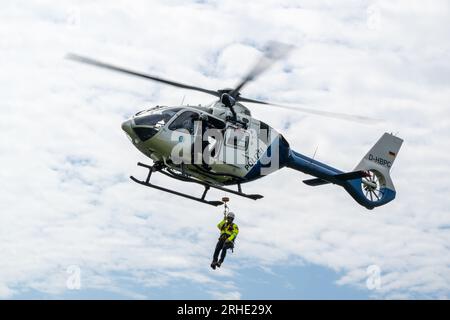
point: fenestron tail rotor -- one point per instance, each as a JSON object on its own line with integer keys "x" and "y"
{"x": 372, "y": 186}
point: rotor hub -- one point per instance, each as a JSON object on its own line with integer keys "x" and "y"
{"x": 228, "y": 100}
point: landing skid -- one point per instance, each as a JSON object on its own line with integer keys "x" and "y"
{"x": 206, "y": 185}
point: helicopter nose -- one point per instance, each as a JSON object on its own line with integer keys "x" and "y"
{"x": 126, "y": 126}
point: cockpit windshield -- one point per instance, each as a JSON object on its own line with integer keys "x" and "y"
{"x": 156, "y": 119}
{"x": 148, "y": 124}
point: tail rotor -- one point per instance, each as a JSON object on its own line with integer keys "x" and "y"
{"x": 373, "y": 185}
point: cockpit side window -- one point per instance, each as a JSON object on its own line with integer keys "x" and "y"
{"x": 185, "y": 121}
{"x": 169, "y": 113}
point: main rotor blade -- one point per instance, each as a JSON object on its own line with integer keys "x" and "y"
{"x": 272, "y": 52}
{"x": 336, "y": 115}
{"x": 108, "y": 66}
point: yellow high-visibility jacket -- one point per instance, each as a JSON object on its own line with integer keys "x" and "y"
{"x": 230, "y": 229}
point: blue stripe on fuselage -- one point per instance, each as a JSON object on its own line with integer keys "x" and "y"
{"x": 282, "y": 146}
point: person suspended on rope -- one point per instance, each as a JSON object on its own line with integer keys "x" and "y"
{"x": 228, "y": 233}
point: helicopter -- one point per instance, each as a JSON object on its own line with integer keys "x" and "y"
{"x": 220, "y": 144}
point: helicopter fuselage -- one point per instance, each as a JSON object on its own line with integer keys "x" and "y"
{"x": 204, "y": 142}
{"x": 212, "y": 145}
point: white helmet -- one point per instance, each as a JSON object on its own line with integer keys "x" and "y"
{"x": 230, "y": 215}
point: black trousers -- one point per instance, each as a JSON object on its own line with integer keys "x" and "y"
{"x": 222, "y": 245}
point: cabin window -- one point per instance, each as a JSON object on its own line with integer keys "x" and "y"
{"x": 215, "y": 123}
{"x": 264, "y": 133}
{"x": 238, "y": 139}
{"x": 185, "y": 121}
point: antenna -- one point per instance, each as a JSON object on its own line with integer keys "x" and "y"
{"x": 315, "y": 151}
{"x": 182, "y": 100}
{"x": 314, "y": 155}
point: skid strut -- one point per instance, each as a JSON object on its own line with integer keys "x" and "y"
{"x": 201, "y": 199}
{"x": 239, "y": 192}
{"x": 151, "y": 185}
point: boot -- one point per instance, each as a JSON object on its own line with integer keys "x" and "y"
{"x": 218, "y": 264}
{"x": 213, "y": 265}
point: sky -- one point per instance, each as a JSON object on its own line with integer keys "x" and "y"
{"x": 72, "y": 224}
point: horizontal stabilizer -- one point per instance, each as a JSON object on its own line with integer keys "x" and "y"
{"x": 315, "y": 182}
{"x": 340, "y": 177}
{"x": 351, "y": 175}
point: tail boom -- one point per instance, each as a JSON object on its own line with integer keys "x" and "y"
{"x": 369, "y": 184}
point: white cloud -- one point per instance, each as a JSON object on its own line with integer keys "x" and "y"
{"x": 231, "y": 295}
{"x": 66, "y": 198}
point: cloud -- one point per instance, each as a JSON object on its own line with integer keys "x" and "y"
{"x": 66, "y": 198}
{"x": 232, "y": 295}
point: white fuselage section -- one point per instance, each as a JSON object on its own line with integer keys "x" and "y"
{"x": 231, "y": 148}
